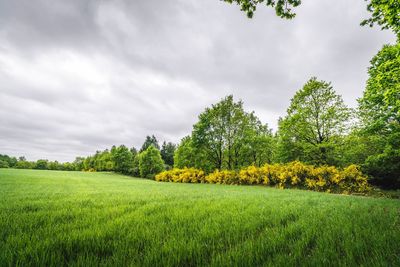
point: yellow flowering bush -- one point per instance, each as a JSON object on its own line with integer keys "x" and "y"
{"x": 354, "y": 180}
{"x": 253, "y": 175}
{"x": 290, "y": 175}
{"x": 223, "y": 177}
{"x": 186, "y": 175}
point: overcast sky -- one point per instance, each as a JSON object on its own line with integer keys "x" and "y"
{"x": 79, "y": 76}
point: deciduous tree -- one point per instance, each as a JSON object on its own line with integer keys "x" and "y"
{"x": 315, "y": 121}
{"x": 150, "y": 162}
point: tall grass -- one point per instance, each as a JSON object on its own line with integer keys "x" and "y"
{"x": 51, "y": 218}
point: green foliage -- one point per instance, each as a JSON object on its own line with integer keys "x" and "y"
{"x": 380, "y": 115}
{"x": 186, "y": 155}
{"x": 229, "y": 137}
{"x": 167, "y": 153}
{"x": 7, "y": 161}
{"x": 41, "y": 164}
{"x": 79, "y": 163}
{"x": 23, "y": 164}
{"x": 102, "y": 219}
{"x": 4, "y": 164}
{"x": 283, "y": 8}
{"x": 150, "y": 140}
{"x": 122, "y": 159}
{"x": 315, "y": 123}
{"x": 385, "y": 13}
{"x": 150, "y": 162}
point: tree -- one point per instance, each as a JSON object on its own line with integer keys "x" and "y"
{"x": 150, "y": 141}
{"x": 385, "y": 13}
{"x": 150, "y": 162}
{"x": 23, "y": 164}
{"x": 227, "y": 135}
{"x": 258, "y": 143}
{"x": 283, "y": 8}
{"x": 167, "y": 153}
{"x": 380, "y": 115}
{"x": 41, "y": 164}
{"x": 4, "y": 164}
{"x": 78, "y": 163}
{"x": 11, "y": 161}
{"x": 134, "y": 151}
{"x": 186, "y": 155}
{"x": 315, "y": 122}
{"x": 122, "y": 158}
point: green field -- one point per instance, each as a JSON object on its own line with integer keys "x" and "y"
{"x": 51, "y": 218}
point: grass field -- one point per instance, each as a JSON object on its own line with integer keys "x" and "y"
{"x": 51, "y": 218}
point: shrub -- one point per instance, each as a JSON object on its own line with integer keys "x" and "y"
{"x": 222, "y": 177}
{"x": 290, "y": 175}
{"x": 186, "y": 175}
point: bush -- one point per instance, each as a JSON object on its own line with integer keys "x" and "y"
{"x": 290, "y": 175}
{"x": 186, "y": 175}
{"x": 223, "y": 177}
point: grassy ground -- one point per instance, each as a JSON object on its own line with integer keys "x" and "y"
{"x": 59, "y": 218}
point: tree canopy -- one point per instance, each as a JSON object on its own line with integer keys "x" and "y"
{"x": 150, "y": 140}
{"x": 150, "y": 162}
{"x": 226, "y": 134}
{"x": 385, "y": 13}
{"x": 283, "y": 8}
{"x": 380, "y": 114}
{"x": 315, "y": 119}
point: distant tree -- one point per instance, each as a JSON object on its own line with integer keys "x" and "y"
{"x": 4, "y": 164}
{"x": 41, "y": 164}
{"x": 54, "y": 165}
{"x": 135, "y": 164}
{"x": 78, "y": 163}
{"x": 167, "y": 153}
{"x": 89, "y": 163}
{"x": 315, "y": 122}
{"x": 133, "y": 151}
{"x": 150, "y": 140}
{"x": 122, "y": 159}
{"x": 380, "y": 115}
{"x": 11, "y": 161}
{"x": 150, "y": 162}
{"x": 24, "y": 164}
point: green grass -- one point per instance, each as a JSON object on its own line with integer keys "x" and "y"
{"x": 51, "y": 218}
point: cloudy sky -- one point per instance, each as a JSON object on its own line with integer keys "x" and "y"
{"x": 77, "y": 76}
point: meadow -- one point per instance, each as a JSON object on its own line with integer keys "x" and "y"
{"x": 57, "y": 218}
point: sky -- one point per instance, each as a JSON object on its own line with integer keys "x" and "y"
{"x": 82, "y": 75}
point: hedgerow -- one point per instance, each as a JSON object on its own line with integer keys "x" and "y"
{"x": 291, "y": 175}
